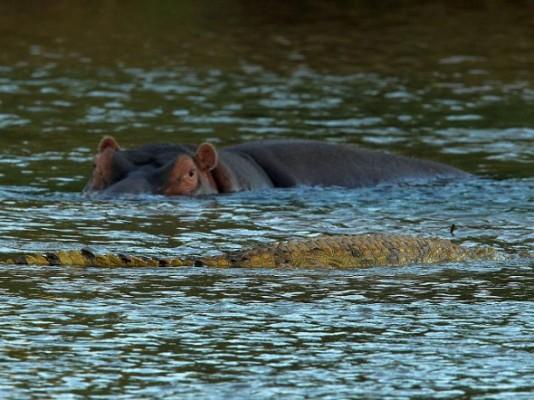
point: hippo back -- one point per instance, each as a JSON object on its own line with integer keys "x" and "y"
{"x": 305, "y": 162}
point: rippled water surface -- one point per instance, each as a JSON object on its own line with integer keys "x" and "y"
{"x": 438, "y": 81}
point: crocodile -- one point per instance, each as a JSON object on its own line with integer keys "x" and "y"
{"x": 343, "y": 251}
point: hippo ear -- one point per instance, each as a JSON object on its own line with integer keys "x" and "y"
{"x": 103, "y": 170}
{"x": 206, "y": 157}
{"x": 108, "y": 142}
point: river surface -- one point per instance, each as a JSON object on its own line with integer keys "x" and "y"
{"x": 442, "y": 81}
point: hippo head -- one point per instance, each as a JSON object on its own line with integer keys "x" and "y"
{"x": 157, "y": 169}
{"x": 191, "y": 174}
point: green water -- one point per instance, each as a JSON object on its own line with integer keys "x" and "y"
{"x": 444, "y": 81}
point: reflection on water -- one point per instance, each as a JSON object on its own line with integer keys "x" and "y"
{"x": 497, "y": 213}
{"x": 269, "y": 334}
{"x": 450, "y": 82}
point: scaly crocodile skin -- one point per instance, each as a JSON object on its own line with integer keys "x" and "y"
{"x": 352, "y": 251}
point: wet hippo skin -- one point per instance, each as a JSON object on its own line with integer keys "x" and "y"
{"x": 194, "y": 170}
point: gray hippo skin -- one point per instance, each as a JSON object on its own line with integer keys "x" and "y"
{"x": 194, "y": 170}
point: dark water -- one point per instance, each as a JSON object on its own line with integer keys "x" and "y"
{"x": 443, "y": 81}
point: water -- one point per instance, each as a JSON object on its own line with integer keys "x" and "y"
{"x": 391, "y": 77}
{"x": 439, "y": 333}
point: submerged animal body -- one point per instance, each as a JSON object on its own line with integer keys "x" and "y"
{"x": 195, "y": 170}
{"x": 352, "y": 251}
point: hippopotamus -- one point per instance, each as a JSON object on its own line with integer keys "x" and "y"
{"x": 190, "y": 170}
